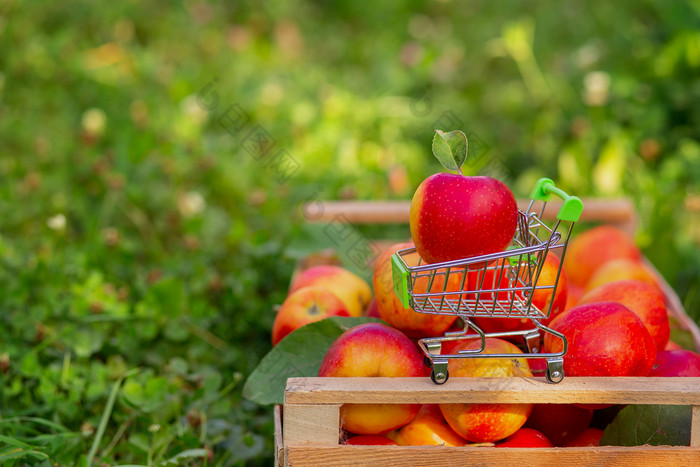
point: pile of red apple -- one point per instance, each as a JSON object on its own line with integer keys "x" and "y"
{"x": 608, "y": 304}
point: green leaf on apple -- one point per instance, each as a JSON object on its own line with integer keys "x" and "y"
{"x": 298, "y": 354}
{"x": 656, "y": 425}
{"x": 450, "y": 148}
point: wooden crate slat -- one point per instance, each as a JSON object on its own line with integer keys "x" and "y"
{"x": 279, "y": 438}
{"x": 589, "y": 390}
{"x": 311, "y": 424}
{"x": 695, "y": 427}
{"x": 620, "y": 211}
{"x": 429, "y": 456}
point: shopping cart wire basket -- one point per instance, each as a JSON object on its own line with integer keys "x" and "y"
{"x": 497, "y": 285}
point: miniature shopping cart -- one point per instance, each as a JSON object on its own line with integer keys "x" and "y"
{"x": 498, "y": 285}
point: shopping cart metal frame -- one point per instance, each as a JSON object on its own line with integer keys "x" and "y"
{"x": 520, "y": 264}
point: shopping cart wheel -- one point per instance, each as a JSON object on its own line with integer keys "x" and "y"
{"x": 439, "y": 375}
{"x": 555, "y": 370}
{"x": 428, "y": 361}
{"x": 439, "y": 378}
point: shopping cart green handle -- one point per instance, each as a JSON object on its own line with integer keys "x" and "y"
{"x": 572, "y": 207}
{"x": 399, "y": 274}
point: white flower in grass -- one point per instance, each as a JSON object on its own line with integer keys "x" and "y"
{"x": 94, "y": 121}
{"x": 57, "y": 222}
{"x": 596, "y": 88}
{"x": 190, "y": 204}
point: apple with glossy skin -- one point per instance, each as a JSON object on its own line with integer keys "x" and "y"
{"x": 408, "y": 321}
{"x": 374, "y": 349}
{"x": 560, "y": 423}
{"x": 541, "y": 297}
{"x": 644, "y": 299}
{"x": 487, "y": 422}
{"x": 620, "y": 269}
{"x": 370, "y": 440}
{"x": 589, "y": 437}
{"x": 354, "y": 291}
{"x": 526, "y": 438}
{"x": 304, "y": 306}
{"x": 676, "y": 363}
{"x": 594, "y": 247}
{"x": 604, "y": 339}
{"x": 455, "y": 216}
{"x": 428, "y": 428}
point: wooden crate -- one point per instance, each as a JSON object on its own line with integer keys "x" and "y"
{"x": 308, "y": 427}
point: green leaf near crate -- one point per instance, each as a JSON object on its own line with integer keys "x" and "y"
{"x": 298, "y": 354}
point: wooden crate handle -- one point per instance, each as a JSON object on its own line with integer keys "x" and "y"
{"x": 620, "y": 212}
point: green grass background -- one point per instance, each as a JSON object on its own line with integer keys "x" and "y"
{"x": 144, "y": 227}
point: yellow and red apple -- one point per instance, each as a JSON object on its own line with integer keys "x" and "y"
{"x": 621, "y": 269}
{"x": 487, "y": 422}
{"x": 304, "y": 306}
{"x": 408, "y": 321}
{"x": 428, "y": 428}
{"x": 573, "y": 295}
{"x": 374, "y": 349}
{"x": 644, "y": 299}
{"x": 594, "y": 247}
{"x": 354, "y": 291}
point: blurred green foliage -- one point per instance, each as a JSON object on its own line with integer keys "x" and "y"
{"x": 143, "y": 227}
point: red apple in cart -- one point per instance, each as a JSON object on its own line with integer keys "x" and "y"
{"x": 676, "y": 363}
{"x": 453, "y": 216}
{"x": 304, "y": 306}
{"x": 604, "y": 339}
{"x": 373, "y": 349}
{"x": 646, "y": 300}
{"x": 525, "y": 438}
